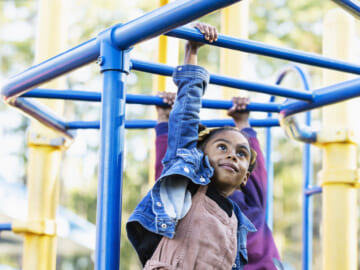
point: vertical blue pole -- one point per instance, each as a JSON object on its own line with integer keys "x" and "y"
{"x": 270, "y": 179}
{"x": 112, "y": 62}
{"x": 307, "y": 227}
{"x": 307, "y": 206}
{"x": 270, "y": 176}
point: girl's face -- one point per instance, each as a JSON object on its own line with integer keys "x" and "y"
{"x": 229, "y": 154}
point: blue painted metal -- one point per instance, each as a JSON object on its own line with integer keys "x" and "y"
{"x": 142, "y": 124}
{"x": 324, "y": 96}
{"x": 268, "y": 50}
{"x": 43, "y": 114}
{"x": 166, "y": 70}
{"x": 164, "y": 19}
{"x": 142, "y": 99}
{"x": 5, "y": 227}
{"x": 307, "y": 208}
{"x": 308, "y": 171}
{"x": 269, "y": 215}
{"x": 122, "y": 36}
{"x": 56, "y": 66}
{"x": 313, "y": 190}
{"x": 351, "y": 6}
{"x": 109, "y": 202}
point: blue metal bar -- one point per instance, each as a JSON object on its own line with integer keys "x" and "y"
{"x": 166, "y": 70}
{"x": 142, "y": 124}
{"x": 324, "y": 96}
{"x": 270, "y": 175}
{"x": 307, "y": 208}
{"x": 43, "y": 114}
{"x": 268, "y": 50}
{"x": 56, "y": 66}
{"x": 109, "y": 202}
{"x": 124, "y": 36}
{"x": 164, "y": 19}
{"x": 5, "y": 227}
{"x": 312, "y": 191}
{"x": 351, "y": 6}
{"x": 141, "y": 99}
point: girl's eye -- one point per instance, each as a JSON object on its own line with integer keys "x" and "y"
{"x": 242, "y": 154}
{"x": 222, "y": 147}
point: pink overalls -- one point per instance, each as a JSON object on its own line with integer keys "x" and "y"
{"x": 205, "y": 239}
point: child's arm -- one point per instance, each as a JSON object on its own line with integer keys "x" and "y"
{"x": 191, "y": 47}
{"x": 191, "y": 82}
{"x": 161, "y": 129}
{"x": 256, "y": 188}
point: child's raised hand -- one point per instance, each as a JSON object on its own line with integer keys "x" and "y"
{"x": 163, "y": 112}
{"x": 191, "y": 47}
{"x": 239, "y": 113}
{"x": 209, "y": 31}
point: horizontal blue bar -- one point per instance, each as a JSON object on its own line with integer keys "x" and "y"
{"x": 56, "y": 66}
{"x": 164, "y": 19}
{"x": 5, "y": 227}
{"x": 268, "y": 50}
{"x": 43, "y": 114}
{"x": 142, "y": 124}
{"x": 312, "y": 191}
{"x": 324, "y": 96}
{"x": 151, "y": 24}
{"x": 351, "y": 6}
{"x": 142, "y": 99}
{"x": 166, "y": 70}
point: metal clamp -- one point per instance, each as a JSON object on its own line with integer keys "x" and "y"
{"x": 40, "y": 227}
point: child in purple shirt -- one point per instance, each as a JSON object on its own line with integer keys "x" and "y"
{"x": 262, "y": 251}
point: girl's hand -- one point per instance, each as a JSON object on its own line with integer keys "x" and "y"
{"x": 163, "y": 112}
{"x": 239, "y": 113}
{"x": 191, "y": 47}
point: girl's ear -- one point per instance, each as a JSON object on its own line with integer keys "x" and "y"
{"x": 243, "y": 183}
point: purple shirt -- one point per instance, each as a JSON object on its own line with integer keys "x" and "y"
{"x": 251, "y": 200}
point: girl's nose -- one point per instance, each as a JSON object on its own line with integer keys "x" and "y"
{"x": 231, "y": 155}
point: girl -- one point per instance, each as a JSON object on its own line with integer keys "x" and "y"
{"x": 186, "y": 220}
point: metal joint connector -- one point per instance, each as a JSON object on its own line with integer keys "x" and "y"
{"x": 336, "y": 135}
{"x": 39, "y": 227}
{"x": 337, "y": 176}
{"x": 111, "y": 56}
{"x": 38, "y": 139}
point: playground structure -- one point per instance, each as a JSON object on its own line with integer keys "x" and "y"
{"x": 110, "y": 49}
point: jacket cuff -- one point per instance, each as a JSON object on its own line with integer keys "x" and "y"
{"x": 191, "y": 71}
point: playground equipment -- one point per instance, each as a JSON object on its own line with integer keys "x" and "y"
{"x": 111, "y": 49}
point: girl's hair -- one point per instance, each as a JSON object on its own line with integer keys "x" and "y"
{"x": 206, "y": 133}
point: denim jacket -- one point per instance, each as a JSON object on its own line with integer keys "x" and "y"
{"x": 168, "y": 201}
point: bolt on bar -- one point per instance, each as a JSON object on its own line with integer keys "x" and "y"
{"x": 268, "y": 50}
{"x": 142, "y": 99}
{"x": 166, "y": 70}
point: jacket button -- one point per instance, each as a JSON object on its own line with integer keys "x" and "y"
{"x": 234, "y": 265}
{"x": 158, "y": 204}
{"x": 186, "y": 169}
{"x": 202, "y": 179}
{"x": 163, "y": 225}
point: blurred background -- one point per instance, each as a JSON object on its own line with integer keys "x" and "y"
{"x": 285, "y": 23}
